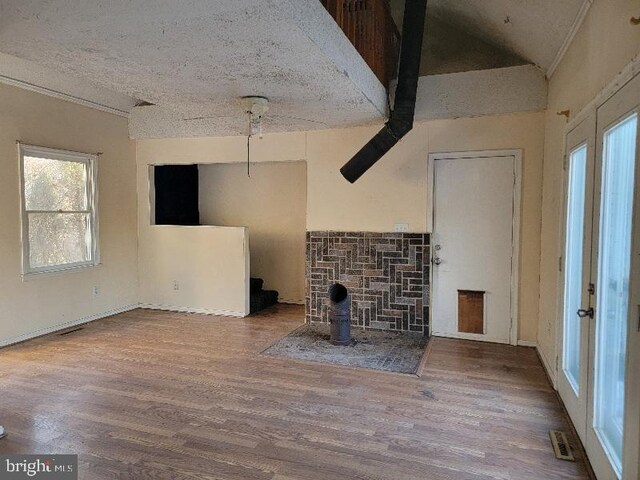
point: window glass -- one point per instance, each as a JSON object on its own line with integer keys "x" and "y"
{"x": 574, "y": 249}
{"x": 59, "y": 239}
{"x": 59, "y": 228}
{"x": 614, "y": 261}
{"x": 54, "y": 184}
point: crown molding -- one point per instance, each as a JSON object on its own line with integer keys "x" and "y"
{"x": 582, "y": 14}
{"x": 14, "y": 82}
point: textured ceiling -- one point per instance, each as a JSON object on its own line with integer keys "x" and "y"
{"x": 534, "y": 30}
{"x": 22, "y": 73}
{"x": 195, "y": 58}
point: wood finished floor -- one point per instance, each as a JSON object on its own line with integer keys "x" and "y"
{"x": 159, "y": 395}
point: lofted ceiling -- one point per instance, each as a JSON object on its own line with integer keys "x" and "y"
{"x": 193, "y": 59}
{"x": 534, "y": 30}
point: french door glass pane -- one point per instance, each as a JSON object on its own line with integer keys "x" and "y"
{"x": 573, "y": 265}
{"x": 618, "y": 162}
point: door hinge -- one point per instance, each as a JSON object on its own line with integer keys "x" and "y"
{"x": 560, "y": 264}
{"x": 565, "y": 162}
{"x": 591, "y": 289}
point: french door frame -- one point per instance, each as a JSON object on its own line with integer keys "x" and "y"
{"x": 631, "y": 447}
{"x": 615, "y": 110}
{"x": 631, "y": 453}
{"x": 576, "y": 402}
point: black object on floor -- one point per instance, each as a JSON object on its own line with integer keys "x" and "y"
{"x": 259, "y": 298}
{"x": 255, "y": 284}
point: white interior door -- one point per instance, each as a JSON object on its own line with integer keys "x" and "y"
{"x": 576, "y": 272}
{"x": 473, "y": 246}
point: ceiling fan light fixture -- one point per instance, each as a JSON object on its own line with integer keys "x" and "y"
{"x": 255, "y": 107}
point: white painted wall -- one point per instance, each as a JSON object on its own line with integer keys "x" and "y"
{"x": 604, "y": 44}
{"x": 38, "y": 304}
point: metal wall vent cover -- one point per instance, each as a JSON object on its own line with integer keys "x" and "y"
{"x": 561, "y": 446}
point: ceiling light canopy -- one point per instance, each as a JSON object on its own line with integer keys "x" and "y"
{"x": 255, "y": 107}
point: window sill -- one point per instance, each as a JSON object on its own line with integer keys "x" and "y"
{"x": 26, "y": 277}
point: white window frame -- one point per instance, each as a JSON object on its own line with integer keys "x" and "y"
{"x": 91, "y": 165}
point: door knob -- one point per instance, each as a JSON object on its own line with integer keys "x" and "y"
{"x": 585, "y": 313}
{"x": 437, "y": 260}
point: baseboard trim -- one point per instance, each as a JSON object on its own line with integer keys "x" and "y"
{"x": 472, "y": 337}
{"x": 543, "y": 359}
{"x": 202, "y": 311}
{"x": 547, "y": 367}
{"x": 291, "y": 301}
{"x": 62, "y": 326}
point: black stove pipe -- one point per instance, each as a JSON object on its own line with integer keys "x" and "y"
{"x": 401, "y": 119}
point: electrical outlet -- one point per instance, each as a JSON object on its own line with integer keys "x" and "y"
{"x": 176, "y": 285}
{"x": 401, "y": 227}
{"x": 96, "y": 290}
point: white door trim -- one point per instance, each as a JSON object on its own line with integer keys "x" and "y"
{"x": 586, "y": 134}
{"x": 517, "y": 155}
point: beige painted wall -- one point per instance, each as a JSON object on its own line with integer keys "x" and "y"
{"x": 196, "y": 269}
{"x": 37, "y": 304}
{"x": 168, "y": 245}
{"x": 395, "y": 191}
{"x": 605, "y": 43}
{"x": 272, "y": 203}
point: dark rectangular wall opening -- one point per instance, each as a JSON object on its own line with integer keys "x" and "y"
{"x": 176, "y": 195}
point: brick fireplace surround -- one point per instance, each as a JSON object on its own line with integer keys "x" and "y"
{"x": 387, "y": 275}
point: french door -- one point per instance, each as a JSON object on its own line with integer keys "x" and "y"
{"x": 601, "y": 300}
{"x": 579, "y": 185}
